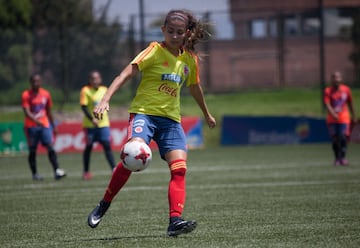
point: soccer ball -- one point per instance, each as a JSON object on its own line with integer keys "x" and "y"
{"x": 136, "y": 155}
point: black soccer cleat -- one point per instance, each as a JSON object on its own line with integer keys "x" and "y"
{"x": 180, "y": 226}
{"x": 37, "y": 177}
{"x": 96, "y": 215}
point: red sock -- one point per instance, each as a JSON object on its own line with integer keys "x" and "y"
{"x": 118, "y": 180}
{"x": 176, "y": 194}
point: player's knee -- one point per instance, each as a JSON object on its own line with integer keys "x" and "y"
{"x": 88, "y": 147}
{"x": 106, "y": 145}
{"x": 50, "y": 148}
{"x": 343, "y": 139}
{"x": 335, "y": 138}
{"x": 32, "y": 154}
{"x": 178, "y": 167}
{"x": 32, "y": 150}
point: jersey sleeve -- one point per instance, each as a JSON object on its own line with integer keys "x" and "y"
{"x": 24, "y": 100}
{"x": 327, "y": 96}
{"x": 146, "y": 58}
{"x": 194, "y": 75}
{"x": 349, "y": 100}
{"x": 83, "y": 98}
{"x": 49, "y": 102}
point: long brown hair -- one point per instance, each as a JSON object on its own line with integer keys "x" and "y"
{"x": 196, "y": 27}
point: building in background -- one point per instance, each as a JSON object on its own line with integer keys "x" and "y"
{"x": 277, "y": 44}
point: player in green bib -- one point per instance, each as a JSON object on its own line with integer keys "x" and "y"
{"x": 155, "y": 111}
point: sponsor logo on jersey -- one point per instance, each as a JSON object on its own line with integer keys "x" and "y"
{"x": 171, "y": 77}
{"x": 168, "y": 90}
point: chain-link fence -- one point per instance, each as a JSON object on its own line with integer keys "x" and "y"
{"x": 253, "y": 49}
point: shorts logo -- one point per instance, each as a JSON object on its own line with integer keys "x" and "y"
{"x": 139, "y": 123}
{"x": 138, "y": 129}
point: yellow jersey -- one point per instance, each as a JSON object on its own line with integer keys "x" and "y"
{"x": 163, "y": 75}
{"x": 91, "y": 97}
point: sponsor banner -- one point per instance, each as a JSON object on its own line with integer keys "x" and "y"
{"x": 71, "y": 137}
{"x": 355, "y": 133}
{"x": 243, "y": 130}
{"x": 12, "y": 138}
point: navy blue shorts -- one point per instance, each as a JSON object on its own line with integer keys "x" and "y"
{"x": 97, "y": 134}
{"x": 339, "y": 129}
{"x": 168, "y": 134}
{"x": 35, "y": 135}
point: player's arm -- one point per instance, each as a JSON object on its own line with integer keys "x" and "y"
{"x": 88, "y": 115}
{"x": 26, "y": 108}
{"x": 351, "y": 107}
{"x": 84, "y": 102}
{"x": 197, "y": 93}
{"x": 31, "y": 116}
{"x": 331, "y": 110}
{"x": 328, "y": 106}
{"x": 130, "y": 71}
{"x": 51, "y": 118}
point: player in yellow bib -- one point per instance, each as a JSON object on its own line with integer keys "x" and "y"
{"x": 155, "y": 110}
{"x": 95, "y": 130}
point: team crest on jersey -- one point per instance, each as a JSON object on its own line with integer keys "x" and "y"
{"x": 186, "y": 70}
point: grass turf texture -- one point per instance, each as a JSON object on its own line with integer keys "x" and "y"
{"x": 261, "y": 196}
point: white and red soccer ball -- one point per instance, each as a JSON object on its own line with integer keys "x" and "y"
{"x": 136, "y": 155}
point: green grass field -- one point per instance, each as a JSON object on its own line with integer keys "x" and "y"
{"x": 260, "y": 196}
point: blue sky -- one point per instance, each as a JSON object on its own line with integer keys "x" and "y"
{"x": 123, "y": 9}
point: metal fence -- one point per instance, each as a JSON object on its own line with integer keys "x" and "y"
{"x": 262, "y": 50}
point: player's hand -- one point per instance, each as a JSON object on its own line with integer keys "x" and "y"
{"x": 55, "y": 131}
{"x": 335, "y": 115}
{"x": 95, "y": 122}
{"x": 100, "y": 109}
{"x": 210, "y": 120}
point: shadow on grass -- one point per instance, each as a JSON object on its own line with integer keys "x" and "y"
{"x": 122, "y": 238}
{"x": 125, "y": 237}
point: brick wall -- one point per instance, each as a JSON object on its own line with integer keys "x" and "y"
{"x": 254, "y": 63}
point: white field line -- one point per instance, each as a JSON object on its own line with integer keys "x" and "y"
{"x": 241, "y": 167}
{"x": 92, "y": 190}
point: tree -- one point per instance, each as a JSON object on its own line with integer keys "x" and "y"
{"x": 15, "y": 41}
{"x": 69, "y": 42}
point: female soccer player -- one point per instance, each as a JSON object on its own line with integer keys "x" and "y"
{"x": 339, "y": 104}
{"x": 155, "y": 110}
{"x": 95, "y": 130}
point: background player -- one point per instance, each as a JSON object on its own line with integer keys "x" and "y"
{"x": 155, "y": 110}
{"x": 339, "y": 104}
{"x": 39, "y": 125}
{"x": 95, "y": 130}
